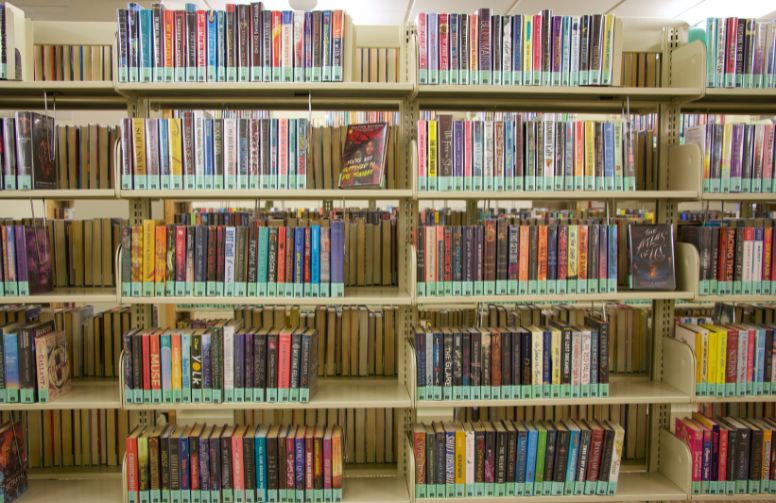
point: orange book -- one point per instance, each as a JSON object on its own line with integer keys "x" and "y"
{"x": 542, "y": 253}
{"x": 336, "y": 458}
{"x": 582, "y": 267}
{"x": 156, "y": 362}
{"x": 318, "y": 457}
{"x": 169, "y": 16}
{"x": 309, "y": 458}
{"x": 238, "y": 475}
{"x": 160, "y": 270}
{"x": 579, "y": 149}
{"x": 281, "y": 255}
{"x": 525, "y": 243}
{"x": 177, "y": 375}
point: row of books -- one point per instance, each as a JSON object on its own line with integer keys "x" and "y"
{"x": 78, "y": 437}
{"x": 352, "y": 340}
{"x": 205, "y": 462}
{"x": 513, "y": 256}
{"x": 28, "y": 151}
{"x": 242, "y": 43}
{"x": 730, "y": 455}
{"x": 221, "y": 364}
{"x": 73, "y": 62}
{"x": 730, "y": 359}
{"x": 376, "y": 64}
{"x": 84, "y": 157}
{"x": 506, "y": 458}
{"x": 197, "y": 151}
{"x": 461, "y": 363}
{"x": 83, "y": 252}
{"x": 629, "y": 326}
{"x": 737, "y": 157}
{"x": 265, "y": 257}
{"x": 26, "y": 258}
{"x": 369, "y": 435}
{"x": 541, "y": 49}
{"x": 93, "y": 338}
{"x": 525, "y": 154}
{"x": 736, "y": 255}
{"x": 740, "y": 52}
{"x": 34, "y": 365}
{"x": 641, "y": 69}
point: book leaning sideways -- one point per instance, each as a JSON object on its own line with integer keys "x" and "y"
{"x": 363, "y": 157}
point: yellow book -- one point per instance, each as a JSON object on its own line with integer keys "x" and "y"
{"x": 176, "y": 155}
{"x": 727, "y": 147}
{"x": 336, "y": 458}
{"x": 149, "y": 250}
{"x": 589, "y": 154}
{"x": 720, "y": 358}
{"x": 556, "y": 356}
{"x": 527, "y": 49}
{"x": 711, "y": 365}
{"x": 432, "y": 148}
{"x": 177, "y": 376}
{"x": 460, "y": 454}
{"x": 572, "y": 253}
{"x": 138, "y": 132}
{"x": 608, "y": 49}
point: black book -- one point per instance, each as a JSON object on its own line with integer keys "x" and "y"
{"x": 296, "y": 358}
{"x": 44, "y": 173}
{"x": 272, "y": 359}
{"x": 226, "y": 458}
{"x": 249, "y": 455}
{"x": 511, "y": 453}
{"x": 457, "y": 358}
{"x": 516, "y": 337}
{"x": 438, "y": 358}
{"x": 549, "y": 457}
{"x": 466, "y": 343}
{"x": 248, "y": 367}
{"x": 196, "y": 361}
{"x": 584, "y": 451}
{"x": 476, "y": 349}
{"x": 430, "y": 455}
{"x": 525, "y": 354}
{"x": 506, "y": 357}
{"x": 447, "y": 364}
{"x": 217, "y": 359}
{"x": 420, "y": 257}
{"x": 561, "y": 453}
{"x": 214, "y": 451}
{"x": 174, "y": 449}
{"x": 502, "y": 250}
{"x": 239, "y": 363}
{"x": 137, "y": 357}
{"x": 501, "y": 453}
{"x": 260, "y": 360}
{"x": 164, "y": 455}
{"x": 606, "y": 453}
{"x": 651, "y": 254}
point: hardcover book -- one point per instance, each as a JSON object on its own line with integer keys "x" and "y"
{"x": 363, "y": 157}
{"x": 13, "y": 462}
{"x": 651, "y": 255}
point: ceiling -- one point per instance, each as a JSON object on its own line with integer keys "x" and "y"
{"x": 392, "y": 12}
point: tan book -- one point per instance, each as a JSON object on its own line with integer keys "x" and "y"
{"x": 389, "y": 340}
{"x": 84, "y": 162}
{"x": 338, "y": 317}
{"x": 88, "y": 354}
{"x": 72, "y": 156}
{"x": 379, "y": 353}
{"x": 77, "y": 59}
{"x": 98, "y": 238}
{"x": 67, "y": 438}
{"x": 107, "y": 63}
{"x": 345, "y": 343}
{"x": 392, "y": 60}
{"x": 58, "y": 66}
{"x": 56, "y": 433}
{"x": 374, "y": 74}
{"x": 60, "y": 254}
{"x": 61, "y": 160}
{"x": 652, "y": 70}
{"x": 357, "y": 76}
{"x": 329, "y": 322}
{"x": 34, "y": 438}
{"x": 382, "y": 64}
{"x": 49, "y": 73}
{"x": 360, "y": 247}
{"x": 350, "y": 251}
{"x": 107, "y": 345}
{"x": 362, "y": 435}
{"x": 94, "y": 158}
{"x": 390, "y": 428}
{"x": 77, "y": 244}
{"x": 391, "y": 174}
{"x": 97, "y": 63}
{"x": 67, "y": 69}
{"x": 328, "y": 171}
{"x": 363, "y": 342}
{"x": 103, "y": 154}
{"x": 86, "y": 62}
{"x": 315, "y": 175}
{"x": 38, "y": 66}
{"x": 355, "y": 339}
{"x": 107, "y": 251}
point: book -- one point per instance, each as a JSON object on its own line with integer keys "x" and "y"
{"x": 364, "y": 156}
{"x": 651, "y": 255}
{"x": 13, "y": 461}
{"x": 53, "y": 367}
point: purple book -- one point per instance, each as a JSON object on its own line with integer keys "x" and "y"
{"x": 337, "y": 258}
{"x": 38, "y": 259}
{"x": 736, "y": 156}
{"x": 485, "y": 46}
{"x": 299, "y": 459}
{"x": 22, "y": 276}
{"x": 557, "y": 49}
{"x": 458, "y": 141}
{"x": 204, "y": 461}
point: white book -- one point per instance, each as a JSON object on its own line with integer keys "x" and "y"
{"x": 576, "y": 358}
{"x": 746, "y": 273}
{"x": 743, "y": 348}
{"x": 469, "y": 432}
{"x": 585, "y": 360}
{"x": 199, "y": 151}
{"x": 757, "y": 265}
{"x": 230, "y": 153}
{"x": 619, "y": 438}
{"x": 506, "y": 60}
{"x": 548, "y": 151}
{"x": 574, "y": 51}
{"x": 537, "y": 355}
{"x": 229, "y": 242}
{"x": 228, "y": 347}
{"x": 488, "y": 151}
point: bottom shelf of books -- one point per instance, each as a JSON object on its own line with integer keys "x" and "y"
{"x": 101, "y": 490}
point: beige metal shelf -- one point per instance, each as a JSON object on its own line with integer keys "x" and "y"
{"x": 355, "y": 295}
{"x": 739, "y": 197}
{"x": 736, "y": 99}
{"x": 302, "y": 194}
{"x": 568, "y": 297}
{"x": 733, "y": 497}
{"x": 639, "y": 195}
{"x": 98, "y": 490}
{"x": 735, "y": 298}
{"x": 78, "y": 295}
{"x": 84, "y": 394}
{"x": 66, "y": 94}
{"x": 331, "y": 393}
{"x": 622, "y": 390}
{"x": 64, "y": 194}
{"x": 735, "y": 399}
{"x": 374, "y": 490}
{"x": 76, "y": 473}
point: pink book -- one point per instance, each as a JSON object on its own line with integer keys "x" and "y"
{"x": 693, "y": 437}
{"x": 422, "y": 147}
{"x": 327, "y": 458}
{"x": 284, "y": 359}
{"x": 290, "y": 445}
{"x": 201, "y": 44}
{"x": 282, "y": 152}
{"x": 536, "y": 43}
{"x": 723, "y": 453}
{"x": 238, "y": 463}
{"x": 750, "y": 356}
{"x": 422, "y": 42}
{"x": 467, "y": 149}
{"x": 444, "y": 42}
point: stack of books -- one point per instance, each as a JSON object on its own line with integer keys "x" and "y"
{"x": 244, "y": 256}
{"x": 539, "y": 50}
{"x": 234, "y": 463}
{"x": 736, "y": 255}
{"x": 240, "y": 44}
{"x": 740, "y": 52}
{"x": 521, "y": 153}
{"x": 730, "y": 455}
{"x": 220, "y": 364}
{"x": 737, "y": 157}
{"x": 511, "y": 256}
{"x": 353, "y": 340}
{"x": 557, "y": 360}
{"x": 730, "y": 359}
{"x": 517, "y": 458}
{"x": 34, "y": 363}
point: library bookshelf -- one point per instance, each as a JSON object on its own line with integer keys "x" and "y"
{"x": 668, "y": 389}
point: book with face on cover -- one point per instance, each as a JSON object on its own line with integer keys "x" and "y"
{"x": 363, "y": 157}
{"x": 651, "y": 254}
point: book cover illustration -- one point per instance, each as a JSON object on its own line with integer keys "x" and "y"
{"x": 44, "y": 175}
{"x": 38, "y": 259}
{"x": 651, "y": 250}
{"x": 363, "y": 157}
{"x": 13, "y": 462}
{"x": 53, "y": 366}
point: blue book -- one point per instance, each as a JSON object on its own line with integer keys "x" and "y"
{"x": 315, "y": 258}
{"x": 262, "y": 271}
{"x": 522, "y": 459}
{"x": 11, "y": 362}
{"x": 210, "y": 168}
{"x": 517, "y": 49}
{"x": 530, "y": 464}
{"x": 608, "y": 155}
{"x": 207, "y": 381}
{"x": 509, "y": 155}
{"x": 299, "y": 461}
{"x": 571, "y": 465}
{"x": 146, "y": 45}
{"x": 437, "y": 357}
{"x": 185, "y": 469}
{"x": 458, "y": 158}
{"x": 186, "y": 366}
{"x": 611, "y": 260}
{"x": 298, "y": 278}
{"x": 221, "y": 48}
{"x": 212, "y": 47}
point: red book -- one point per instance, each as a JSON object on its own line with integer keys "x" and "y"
{"x": 284, "y": 359}
{"x": 327, "y": 458}
{"x": 448, "y": 254}
{"x": 750, "y": 355}
{"x": 169, "y": 17}
{"x": 238, "y": 463}
{"x": 731, "y": 361}
{"x": 146, "y": 358}
{"x": 536, "y": 41}
{"x": 563, "y": 244}
{"x": 156, "y": 362}
{"x": 542, "y": 253}
{"x": 130, "y": 448}
{"x": 467, "y": 158}
{"x": 180, "y": 253}
{"x": 723, "y": 453}
{"x": 307, "y": 263}
{"x": 196, "y": 431}
{"x": 692, "y": 436}
{"x": 281, "y": 255}
{"x": 309, "y": 458}
{"x": 730, "y": 54}
{"x": 767, "y": 252}
{"x": 318, "y": 457}
{"x": 419, "y": 451}
{"x": 582, "y": 254}
{"x": 596, "y": 451}
{"x": 731, "y": 254}
{"x": 277, "y": 24}
{"x": 201, "y": 40}
{"x": 495, "y": 357}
